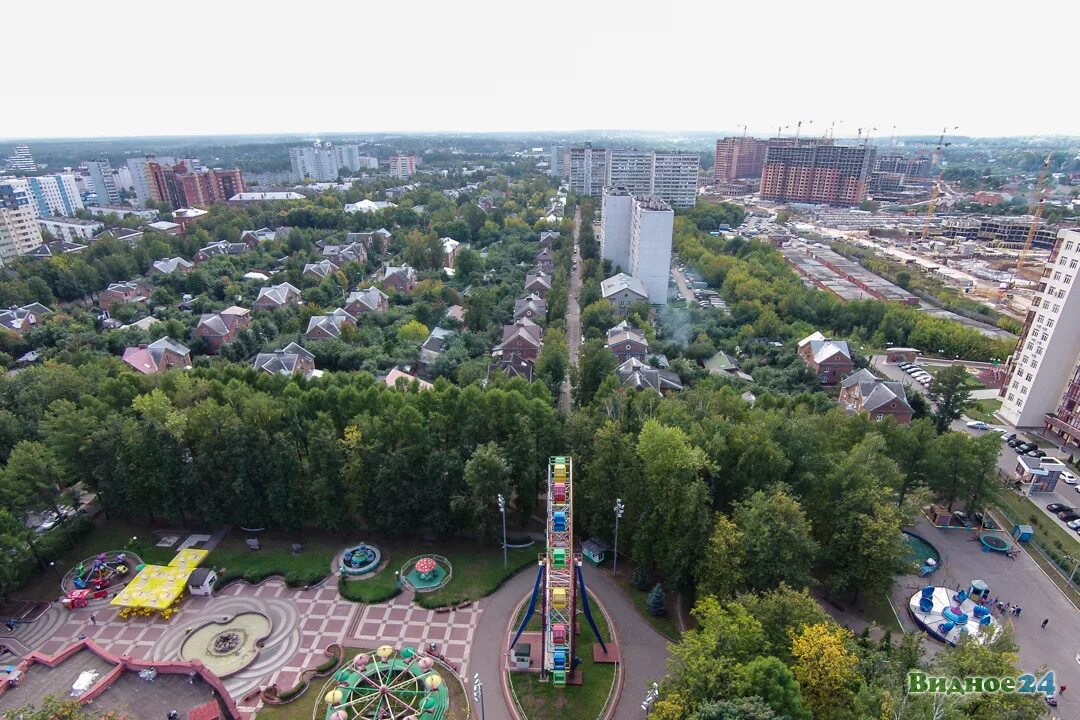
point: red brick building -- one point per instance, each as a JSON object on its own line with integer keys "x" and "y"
{"x": 738, "y": 157}
{"x": 180, "y": 187}
{"x": 829, "y": 359}
{"x": 863, "y": 392}
{"x": 815, "y": 171}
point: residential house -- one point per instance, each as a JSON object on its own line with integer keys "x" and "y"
{"x": 166, "y": 227}
{"x": 396, "y": 378}
{"x": 863, "y": 392}
{"x": 289, "y": 360}
{"x": 320, "y": 270}
{"x": 186, "y": 216}
{"x": 829, "y": 359}
{"x": 252, "y": 238}
{"x": 532, "y": 306}
{"x": 548, "y": 237}
{"x": 433, "y": 346}
{"x": 517, "y": 366}
{"x": 168, "y": 266}
{"x": 539, "y": 283}
{"x": 220, "y": 248}
{"x": 217, "y": 329}
{"x": 402, "y": 278}
{"x": 275, "y": 296}
{"x": 127, "y": 235}
{"x": 635, "y": 373}
{"x": 523, "y": 338}
{"x": 622, "y": 291}
{"x": 20, "y": 319}
{"x": 157, "y": 357}
{"x": 456, "y": 312}
{"x": 627, "y": 342}
{"x": 450, "y": 251}
{"x": 328, "y": 327}
{"x": 368, "y": 206}
{"x": 144, "y": 324}
{"x": 370, "y": 299}
{"x": 54, "y": 248}
{"x": 257, "y": 275}
{"x": 129, "y": 292}
{"x": 341, "y": 254}
{"x": 545, "y": 260}
{"x": 376, "y": 241}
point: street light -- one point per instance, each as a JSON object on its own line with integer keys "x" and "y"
{"x": 650, "y": 698}
{"x": 52, "y": 566}
{"x": 619, "y": 510}
{"x": 478, "y": 693}
{"x": 502, "y": 509}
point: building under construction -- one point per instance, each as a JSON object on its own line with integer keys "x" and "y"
{"x": 815, "y": 171}
{"x": 1003, "y": 231}
{"x": 738, "y": 157}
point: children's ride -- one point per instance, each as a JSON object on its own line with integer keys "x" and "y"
{"x": 559, "y": 568}
{"x": 385, "y": 686}
{"x": 360, "y": 560}
{"x": 104, "y": 569}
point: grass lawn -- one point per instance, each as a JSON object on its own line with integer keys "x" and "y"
{"x": 477, "y": 570}
{"x": 233, "y": 558}
{"x": 971, "y": 383}
{"x": 544, "y": 701}
{"x": 877, "y": 609}
{"x": 668, "y": 625}
{"x": 984, "y": 410}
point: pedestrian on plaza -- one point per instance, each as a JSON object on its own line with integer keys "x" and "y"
{"x": 1062, "y": 689}
{"x": 93, "y": 619}
{"x": 1007, "y": 606}
{"x": 1017, "y": 611}
{"x": 1045, "y": 620}
{"x": 10, "y": 625}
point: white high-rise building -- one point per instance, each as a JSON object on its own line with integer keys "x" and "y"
{"x": 140, "y": 178}
{"x": 103, "y": 182}
{"x": 22, "y": 159}
{"x": 675, "y": 178}
{"x": 631, "y": 169}
{"x": 615, "y": 227}
{"x": 19, "y": 231}
{"x": 50, "y": 195}
{"x": 557, "y": 161}
{"x": 635, "y": 234}
{"x": 1048, "y": 353}
{"x": 588, "y": 170}
{"x": 323, "y": 161}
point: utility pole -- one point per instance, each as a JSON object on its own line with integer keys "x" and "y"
{"x": 619, "y": 510}
{"x": 502, "y": 509}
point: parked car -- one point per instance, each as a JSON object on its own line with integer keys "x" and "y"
{"x": 1036, "y": 453}
{"x": 1007, "y": 436}
{"x": 978, "y": 425}
{"x": 1068, "y": 478}
{"x": 904, "y": 365}
{"x": 1058, "y": 507}
{"x": 1068, "y": 517}
{"x": 1014, "y": 441}
{"x": 1073, "y": 524}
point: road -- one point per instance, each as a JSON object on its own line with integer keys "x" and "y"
{"x": 683, "y": 284}
{"x": 643, "y": 650}
{"x": 573, "y": 316}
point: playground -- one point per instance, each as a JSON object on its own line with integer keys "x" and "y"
{"x": 360, "y": 560}
{"x": 947, "y": 615}
{"x": 105, "y": 570}
{"x": 386, "y": 684}
{"x": 427, "y": 573}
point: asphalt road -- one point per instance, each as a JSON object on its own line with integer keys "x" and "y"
{"x": 683, "y": 285}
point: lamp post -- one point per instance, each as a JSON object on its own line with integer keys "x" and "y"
{"x": 1076, "y": 563}
{"x": 478, "y": 693}
{"x": 502, "y": 510}
{"x": 650, "y": 698}
{"x": 619, "y": 510}
{"x": 52, "y": 566}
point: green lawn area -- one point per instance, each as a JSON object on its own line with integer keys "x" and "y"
{"x": 668, "y": 625}
{"x": 876, "y": 609}
{"x": 477, "y": 570}
{"x": 233, "y": 558}
{"x": 544, "y": 701}
{"x": 984, "y": 410}
{"x": 972, "y": 382}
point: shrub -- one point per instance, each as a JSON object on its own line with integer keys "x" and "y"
{"x": 640, "y": 579}
{"x": 366, "y": 591}
{"x": 656, "y": 604}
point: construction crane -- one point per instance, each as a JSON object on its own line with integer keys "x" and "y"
{"x": 935, "y": 192}
{"x": 1036, "y": 209}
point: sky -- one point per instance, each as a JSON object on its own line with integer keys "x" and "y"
{"x": 147, "y": 67}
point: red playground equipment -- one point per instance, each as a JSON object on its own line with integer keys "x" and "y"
{"x": 81, "y": 598}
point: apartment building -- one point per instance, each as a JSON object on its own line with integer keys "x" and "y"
{"x": 180, "y": 185}
{"x": 815, "y": 171}
{"x": 1043, "y": 387}
{"x": 323, "y": 161}
{"x": 588, "y": 170}
{"x": 21, "y": 159}
{"x": 19, "y": 231}
{"x": 559, "y": 161}
{"x": 615, "y": 226}
{"x": 675, "y": 178}
{"x": 738, "y": 157}
{"x": 635, "y": 234}
{"x": 630, "y": 169}
{"x": 51, "y": 195}
{"x": 402, "y": 166}
{"x": 70, "y": 229}
{"x": 103, "y": 182}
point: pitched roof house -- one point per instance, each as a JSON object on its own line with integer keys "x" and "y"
{"x": 862, "y": 391}
{"x": 130, "y": 291}
{"x": 328, "y": 327}
{"x": 289, "y": 360}
{"x": 627, "y": 342}
{"x": 434, "y": 345}
{"x": 157, "y": 357}
{"x": 276, "y": 296}
{"x": 341, "y": 254}
{"x": 531, "y": 306}
{"x": 216, "y": 329}
{"x": 219, "y": 248}
{"x": 252, "y": 238}
{"x": 539, "y": 283}
{"x": 545, "y": 260}
{"x": 370, "y": 299}
{"x": 450, "y": 251}
{"x": 167, "y": 266}
{"x": 320, "y": 270}
{"x": 406, "y": 380}
{"x": 638, "y": 374}
{"x": 402, "y": 277}
{"x": 522, "y": 338}
{"x": 54, "y": 248}
{"x": 622, "y": 291}
{"x": 829, "y": 359}
{"x": 20, "y": 319}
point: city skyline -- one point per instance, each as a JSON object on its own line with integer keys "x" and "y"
{"x": 486, "y": 82}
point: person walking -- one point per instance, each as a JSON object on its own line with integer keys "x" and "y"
{"x": 93, "y": 619}
{"x": 1017, "y": 611}
{"x": 1062, "y": 689}
{"x": 1043, "y": 625}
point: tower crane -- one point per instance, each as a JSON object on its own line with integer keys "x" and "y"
{"x": 935, "y": 192}
{"x": 1036, "y": 209}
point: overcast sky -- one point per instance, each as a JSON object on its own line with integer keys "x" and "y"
{"x": 148, "y": 67}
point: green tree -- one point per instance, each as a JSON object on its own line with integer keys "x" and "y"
{"x": 865, "y": 549}
{"x": 595, "y": 362}
{"x": 656, "y": 603}
{"x": 412, "y": 333}
{"x": 554, "y": 359}
{"x": 745, "y": 708}
{"x": 487, "y": 475}
{"x": 772, "y": 681}
{"x": 778, "y": 542}
{"x": 721, "y": 572}
{"x": 30, "y": 479}
{"x": 950, "y": 392}
{"x": 825, "y": 669}
{"x": 599, "y": 316}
